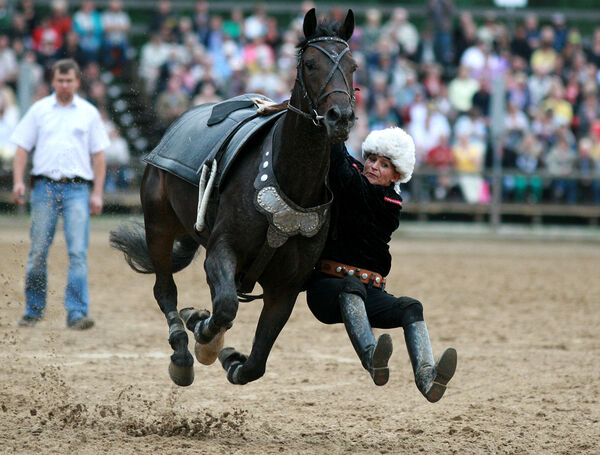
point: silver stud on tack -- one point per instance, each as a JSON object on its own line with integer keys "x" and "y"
{"x": 364, "y": 276}
{"x": 263, "y": 177}
{"x": 338, "y": 269}
{"x": 351, "y": 272}
{"x": 377, "y": 280}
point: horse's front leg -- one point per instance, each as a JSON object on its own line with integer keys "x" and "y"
{"x": 273, "y": 317}
{"x": 209, "y": 331}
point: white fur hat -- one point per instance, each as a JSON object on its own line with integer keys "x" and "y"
{"x": 396, "y": 145}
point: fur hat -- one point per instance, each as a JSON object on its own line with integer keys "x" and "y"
{"x": 396, "y": 145}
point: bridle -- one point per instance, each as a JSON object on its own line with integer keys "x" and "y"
{"x": 313, "y": 114}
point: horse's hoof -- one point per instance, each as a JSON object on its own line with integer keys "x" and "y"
{"x": 182, "y": 376}
{"x": 207, "y": 353}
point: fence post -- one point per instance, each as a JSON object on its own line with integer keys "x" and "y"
{"x": 497, "y": 114}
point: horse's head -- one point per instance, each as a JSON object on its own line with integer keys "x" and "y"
{"x": 325, "y": 76}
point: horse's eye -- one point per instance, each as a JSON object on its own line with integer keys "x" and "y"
{"x": 310, "y": 65}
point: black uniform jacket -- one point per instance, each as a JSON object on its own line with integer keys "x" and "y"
{"x": 364, "y": 216}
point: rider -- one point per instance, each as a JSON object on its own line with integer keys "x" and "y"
{"x": 348, "y": 282}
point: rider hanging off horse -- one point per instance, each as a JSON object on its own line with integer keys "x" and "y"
{"x": 225, "y": 177}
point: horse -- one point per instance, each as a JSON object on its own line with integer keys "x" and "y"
{"x": 259, "y": 228}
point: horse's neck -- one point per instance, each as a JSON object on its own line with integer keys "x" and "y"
{"x": 302, "y": 160}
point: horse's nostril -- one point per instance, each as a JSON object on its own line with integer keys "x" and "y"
{"x": 333, "y": 114}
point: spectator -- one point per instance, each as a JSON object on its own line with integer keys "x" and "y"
{"x": 118, "y": 174}
{"x": 561, "y": 31}
{"x": 153, "y": 55}
{"x": 441, "y": 15}
{"x": 234, "y": 26}
{"x": 469, "y": 157}
{"x": 72, "y": 49}
{"x": 8, "y": 121}
{"x": 519, "y": 44}
{"x": 68, "y": 181}
{"x": 404, "y": 32}
{"x": 428, "y": 130}
{"x": 525, "y": 186}
{"x": 163, "y": 19}
{"x": 562, "y": 111}
{"x": 8, "y": 61}
{"x": 372, "y": 31}
{"x": 6, "y": 14}
{"x": 255, "y": 25}
{"x": 116, "y": 25}
{"x": 560, "y": 162}
{"x": 543, "y": 59}
{"x": 465, "y": 35}
{"x": 461, "y": 90}
{"x": 516, "y": 125}
{"x": 26, "y": 9}
{"x": 171, "y": 103}
{"x": 588, "y": 112}
{"x": 201, "y": 21}
{"x": 532, "y": 31}
{"x": 87, "y": 22}
{"x": 31, "y": 76}
{"x": 588, "y": 166}
{"x": 207, "y": 93}
{"x": 61, "y": 19}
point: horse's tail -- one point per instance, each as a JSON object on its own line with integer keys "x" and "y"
{"x": 130, "y": 238}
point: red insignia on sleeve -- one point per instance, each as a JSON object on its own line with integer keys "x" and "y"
{"x": 392, "y": 201}
{"x": 356, "y": 166}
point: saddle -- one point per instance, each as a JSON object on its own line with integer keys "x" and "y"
{"x": 206, "y": 132}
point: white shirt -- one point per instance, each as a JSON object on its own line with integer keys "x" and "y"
{"x": 64, "y": 137}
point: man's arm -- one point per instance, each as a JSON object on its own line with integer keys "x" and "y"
{"x": 99, "y": 166}
{"x": 19, "y": 165}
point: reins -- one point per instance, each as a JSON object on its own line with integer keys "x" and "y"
{"x": 313, "y": 115}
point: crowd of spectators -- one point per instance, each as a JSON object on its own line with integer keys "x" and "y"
{"x": 435, "y": 81}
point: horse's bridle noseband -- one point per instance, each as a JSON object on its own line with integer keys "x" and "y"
{"x": 313, "y": 114}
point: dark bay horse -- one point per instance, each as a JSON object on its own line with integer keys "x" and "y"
{"x": 275, "y": 234}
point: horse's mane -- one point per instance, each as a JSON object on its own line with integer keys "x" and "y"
{"x": 325, "y": 28}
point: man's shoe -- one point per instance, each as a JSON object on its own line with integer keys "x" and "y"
{"x": 83, "y": 323}
{"x": 28, "y": 321}
{"x": 380, "y": 372}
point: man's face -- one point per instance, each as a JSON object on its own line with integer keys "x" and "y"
{"x": 65, "y": 85}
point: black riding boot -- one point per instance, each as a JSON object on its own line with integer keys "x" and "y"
{"x": 431, "y": 379}
{"x": 373, "y": 354}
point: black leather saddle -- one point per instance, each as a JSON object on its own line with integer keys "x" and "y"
{"x": 206, "y": 132}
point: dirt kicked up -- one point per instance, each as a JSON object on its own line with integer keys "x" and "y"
{"x": 524, "y": 317}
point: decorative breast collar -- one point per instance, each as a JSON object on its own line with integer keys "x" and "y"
{"x": 286, "y": 218}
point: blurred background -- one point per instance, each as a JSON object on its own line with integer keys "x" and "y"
{"x": 500, "y": 96}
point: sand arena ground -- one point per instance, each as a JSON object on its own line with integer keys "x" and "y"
{"x": 523, "y": 315}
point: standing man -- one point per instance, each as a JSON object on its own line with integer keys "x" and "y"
{"x": 67, "y": 179}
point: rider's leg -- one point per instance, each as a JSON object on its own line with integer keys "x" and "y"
{"x": 374, "y": 354}
{"x": 431, "y": 379}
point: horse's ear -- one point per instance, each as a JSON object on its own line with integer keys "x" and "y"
{"x": 347, "y": 29}
{"x": 310, "y": 23}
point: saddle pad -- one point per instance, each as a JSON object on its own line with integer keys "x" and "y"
{"x": 190, "y": 141}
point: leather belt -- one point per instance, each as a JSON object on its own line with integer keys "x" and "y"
{"x": 62, "y": 180}
{"x": 340, "y": 270}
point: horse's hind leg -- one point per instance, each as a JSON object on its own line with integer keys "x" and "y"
{"x": 209, "y": 331}
{"x": 275, "y": 313}
{"x": 160, "y": 245}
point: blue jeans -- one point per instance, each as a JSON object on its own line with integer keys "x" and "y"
{"x": 49, "y": 200}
